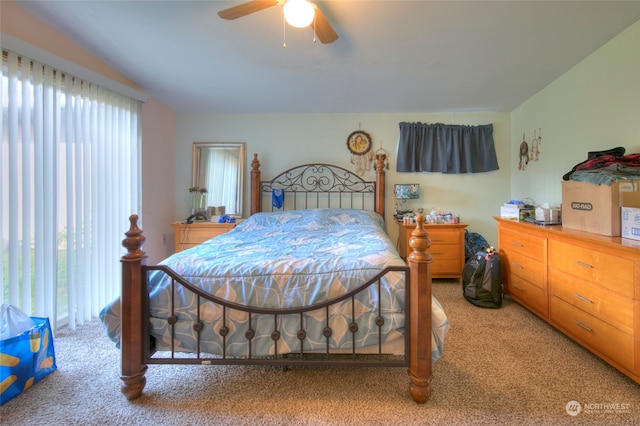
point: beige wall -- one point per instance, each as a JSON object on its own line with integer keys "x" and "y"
{"x": 158, "y": 127}
{"x": 286, "y": 140}
{"x": 594, "y": 106}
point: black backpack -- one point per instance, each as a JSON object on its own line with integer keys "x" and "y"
{"x": 482, "y": 280}
{"x": 473, "y": 243}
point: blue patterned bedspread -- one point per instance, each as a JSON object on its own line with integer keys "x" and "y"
{"x": 284, "y": 259}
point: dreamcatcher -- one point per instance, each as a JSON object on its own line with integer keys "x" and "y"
{"x": 384, "y": 154}
{"x": 524, "y": 154}
{"x": 535, "y": 145}
{"x": 359, "y": 144}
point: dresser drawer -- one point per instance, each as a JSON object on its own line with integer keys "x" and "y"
{"x": 605, "y": 305}
{"x": 592, "y": 332}
{"x": 526, "y": 268}
{"x": 612, "y": 272}
{"x": 531, "y": 296}
{"x": 528, "y": 245}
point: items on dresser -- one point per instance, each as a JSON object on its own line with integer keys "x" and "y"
{"x": 586, "y": 285}
{"x": 191, "y": 234}
{"x": 446, "y": 249}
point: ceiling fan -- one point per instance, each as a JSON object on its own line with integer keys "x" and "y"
{"x": 317, "y": 20}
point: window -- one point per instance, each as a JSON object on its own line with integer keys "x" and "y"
{"x": 70, "y": 178}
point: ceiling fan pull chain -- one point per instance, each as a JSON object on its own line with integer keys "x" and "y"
{"x": 284, "y": 32}
{"x": 314, "y": 28}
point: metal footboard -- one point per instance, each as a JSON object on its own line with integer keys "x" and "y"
{"x": 296, "y": 356}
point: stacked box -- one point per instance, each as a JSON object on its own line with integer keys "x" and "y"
{"x": 594, "y": 208}
{"x": 630, "y": 216}
{"x": 515, "y": 211}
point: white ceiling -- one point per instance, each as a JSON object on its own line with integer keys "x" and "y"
{"x": 392, "y": 56}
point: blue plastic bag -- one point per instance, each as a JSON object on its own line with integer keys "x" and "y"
{"x": 26, "y": 359}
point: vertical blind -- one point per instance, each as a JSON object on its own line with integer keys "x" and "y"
{"x": 70, "y": 168}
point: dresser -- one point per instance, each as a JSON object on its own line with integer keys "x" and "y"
{"x": 192, "y": 234}
{"x": 446, "y": 249}
{"x": 585, "y": 285}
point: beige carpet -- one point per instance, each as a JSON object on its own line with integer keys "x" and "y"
{"x": 500, "y": 367}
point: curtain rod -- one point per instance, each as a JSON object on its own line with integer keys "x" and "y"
{"x": 40, "y": 55}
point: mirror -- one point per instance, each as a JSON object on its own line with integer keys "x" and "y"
{"x": 219, "y": 167}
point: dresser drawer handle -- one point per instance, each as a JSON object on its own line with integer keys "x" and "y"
{"x": 436, "y": 252}
{"x": 581, "y": 325}
{"x": 517, "y": 265}
{"x": 436, "y": 239}
{"x": 517, "y": 244}
{"x": 584, "y": 299}
{"x": 518, "y": 288}
{"x": 584, "y": 265}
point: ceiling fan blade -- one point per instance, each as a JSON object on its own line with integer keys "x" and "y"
{"x": 323, "y": 28}
{"x": 245, "y": 9}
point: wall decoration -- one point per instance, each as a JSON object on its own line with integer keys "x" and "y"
{"x": 535, "y": 145}
{"x": 524, "y": 154}
{"x": 359, "y": 144}
{"x": 529, "y": 151}
{"x": 383, "y": 152}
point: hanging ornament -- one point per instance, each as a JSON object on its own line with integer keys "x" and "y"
{"x": 535, "y": 145}
{"x": 524, "y": 154}
{"x": 385, "y": 154}
{"x": 359, "y": 144}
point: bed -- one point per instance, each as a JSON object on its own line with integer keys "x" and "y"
{"x": 314, "y": 281}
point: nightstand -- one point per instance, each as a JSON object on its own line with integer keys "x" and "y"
{"x": 446, "y": 249}
{"x": 192, "y": 234}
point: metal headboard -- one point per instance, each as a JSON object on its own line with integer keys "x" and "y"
{"x": 318, "y": 186}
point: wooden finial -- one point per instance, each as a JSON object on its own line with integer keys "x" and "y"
{"x": 419, "y": 241}
{"x": 134, "y": 241}
{"x": 255, "y": 164}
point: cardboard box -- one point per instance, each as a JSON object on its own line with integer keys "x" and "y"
{"x": 515, "y": 212}
{"x": 630, "y": 217}
{"x": 594, "y": 208}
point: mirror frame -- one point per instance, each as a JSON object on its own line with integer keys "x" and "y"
{"x": 195, "y": 166}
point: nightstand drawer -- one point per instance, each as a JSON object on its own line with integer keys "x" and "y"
{"x": 443, "y": 236}
{"x": 446, "y": 247}
{"x": 444, "y": 251}
{"x": 192, "y": 234}
{"x": 200, "y": 235}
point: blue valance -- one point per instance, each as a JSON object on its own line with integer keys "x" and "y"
{"x": 446, "y": 148}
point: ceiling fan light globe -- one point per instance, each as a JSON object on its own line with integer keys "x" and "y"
{"x": 299, "y": 13}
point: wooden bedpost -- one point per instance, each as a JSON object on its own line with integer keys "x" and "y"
{"x": 133, "y": 314}
{"x": 256, "y": 196}
{"x": 420, "y": 373}
{"x": 380, "y": 187}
